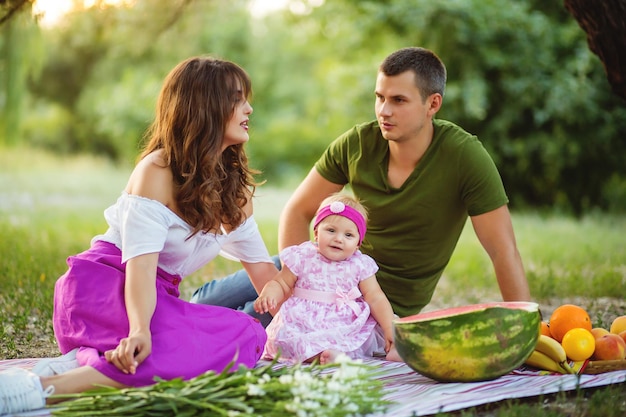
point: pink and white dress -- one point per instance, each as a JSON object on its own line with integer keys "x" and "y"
{"x": 326, "y": 310}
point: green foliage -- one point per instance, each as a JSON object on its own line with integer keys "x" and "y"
{"x": 19, "y": 56}
{"x": 521, "y": 77}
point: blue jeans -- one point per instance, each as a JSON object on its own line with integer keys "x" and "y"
{"x": 234, "y": 291}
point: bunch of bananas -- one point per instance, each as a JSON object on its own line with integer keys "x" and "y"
{"x": 549, "y": 355}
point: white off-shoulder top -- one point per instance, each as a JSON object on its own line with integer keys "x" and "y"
{"x": 139, "y": 225}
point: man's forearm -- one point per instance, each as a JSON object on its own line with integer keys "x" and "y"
{"x": 293, "y": 230}
{"x": 512, "y": 279}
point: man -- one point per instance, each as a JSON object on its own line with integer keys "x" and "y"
{"x": 419, "y": 177}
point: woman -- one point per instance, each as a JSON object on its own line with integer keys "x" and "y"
{"x": 188, "y": 198}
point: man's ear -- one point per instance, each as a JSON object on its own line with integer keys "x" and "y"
{"x": 435, "y": 100}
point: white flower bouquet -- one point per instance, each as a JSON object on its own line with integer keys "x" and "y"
{"x": 344, "y": 388}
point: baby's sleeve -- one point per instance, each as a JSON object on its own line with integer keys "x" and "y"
{"x": 367, "y": 268}
{"x": 292, "y": 257}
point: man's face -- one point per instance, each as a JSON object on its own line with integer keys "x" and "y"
{"x": 400, "y": 110}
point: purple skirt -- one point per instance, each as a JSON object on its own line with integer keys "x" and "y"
{"x": 187, "y": 339}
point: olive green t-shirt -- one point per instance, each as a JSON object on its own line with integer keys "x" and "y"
{"x": 412, "y": 230}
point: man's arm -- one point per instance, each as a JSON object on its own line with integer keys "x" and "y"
{"x": 495, "y": 232}
{"x": 295, "y": 220}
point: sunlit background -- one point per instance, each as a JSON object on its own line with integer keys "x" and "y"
{"x": 52, "y": 11}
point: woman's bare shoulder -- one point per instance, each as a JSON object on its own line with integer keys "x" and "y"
{"x": 152, "y": 178}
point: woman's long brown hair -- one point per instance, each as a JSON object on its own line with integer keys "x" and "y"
{"x": 197, "y": 100}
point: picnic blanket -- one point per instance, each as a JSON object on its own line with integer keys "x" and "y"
{"x": 416, "y": 395}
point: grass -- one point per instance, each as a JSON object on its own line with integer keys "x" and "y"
{"x": 51, "y": 207}
{"x": 608, "y": 401}
{"x": 562, "y": 256}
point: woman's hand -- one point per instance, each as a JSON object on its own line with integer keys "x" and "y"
{"x": 130, "y": 352}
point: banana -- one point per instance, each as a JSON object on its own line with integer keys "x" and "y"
{"x": 551, "y": 347}
{"x": 554, "y": 350}
{"x": 542, "y": 361}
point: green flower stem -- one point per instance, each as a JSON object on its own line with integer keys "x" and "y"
{"x": 346, "y": 388}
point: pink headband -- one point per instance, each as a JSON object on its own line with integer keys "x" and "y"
{"x": 338, "y": 208}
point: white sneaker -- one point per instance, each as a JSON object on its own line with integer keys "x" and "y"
{"x": 21, "y": 390}
{"x": 55, "y": 366}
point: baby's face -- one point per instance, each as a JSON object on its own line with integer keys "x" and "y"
{"x": 337, "y": 238}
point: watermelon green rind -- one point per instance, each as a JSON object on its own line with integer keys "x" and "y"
{"x": 471, "y": 343}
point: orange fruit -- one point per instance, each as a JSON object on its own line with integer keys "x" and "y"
{"x": 568, "y": 317}
{"x": 545, "y": 329}
{"x": 579, "y": 344}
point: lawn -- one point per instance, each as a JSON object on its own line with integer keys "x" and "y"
{"x": 51, "y": 207}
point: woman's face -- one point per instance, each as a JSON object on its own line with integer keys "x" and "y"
{"x": 237, "y": 126}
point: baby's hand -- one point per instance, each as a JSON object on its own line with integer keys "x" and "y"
{"x": 263, "y": 304}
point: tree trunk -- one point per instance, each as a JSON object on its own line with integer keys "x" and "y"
{"x": 604, "y": 21}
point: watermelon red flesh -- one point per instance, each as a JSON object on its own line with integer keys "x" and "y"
{"x": 455, "y": 311}
{"x": 471, "y": 343}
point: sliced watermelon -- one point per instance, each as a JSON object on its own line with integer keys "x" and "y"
{"x": 476, "y": 342}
